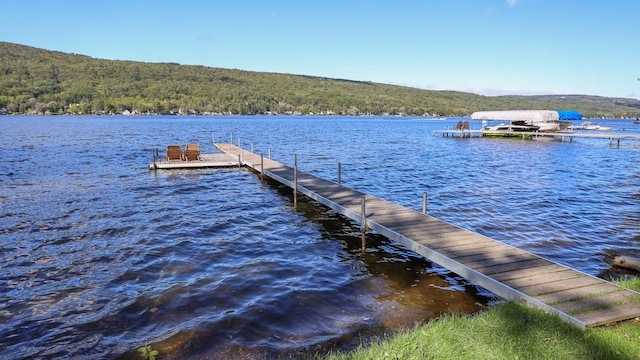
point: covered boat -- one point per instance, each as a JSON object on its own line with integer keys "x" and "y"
{"x": 512, "y": 128}
{"x": 545, "y": 120}
{"x": 517, "y": 126}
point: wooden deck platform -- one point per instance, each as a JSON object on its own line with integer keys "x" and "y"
{"x": 564, "y": 136}
{"x": 206, "y": 161}
{"x": 511, "y": 273}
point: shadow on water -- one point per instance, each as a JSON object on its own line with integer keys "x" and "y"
{"x": 389, "y": 288}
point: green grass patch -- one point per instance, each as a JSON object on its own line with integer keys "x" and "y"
{"x": 630, "y": 282}
{"x": 506, "y": 331}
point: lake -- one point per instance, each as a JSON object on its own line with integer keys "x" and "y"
{"x": 101, "y": 256}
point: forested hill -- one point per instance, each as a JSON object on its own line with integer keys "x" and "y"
{"x": 41, "y": 81}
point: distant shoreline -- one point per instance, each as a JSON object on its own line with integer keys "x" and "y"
{"x": 425, "y": 117}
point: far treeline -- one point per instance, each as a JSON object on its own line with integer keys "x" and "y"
{"x": 37, "y": 81}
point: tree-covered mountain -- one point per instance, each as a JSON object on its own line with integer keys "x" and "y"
{"x": 41, "y": 81}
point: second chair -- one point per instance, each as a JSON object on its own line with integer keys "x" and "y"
{"x": 192, "y": 152}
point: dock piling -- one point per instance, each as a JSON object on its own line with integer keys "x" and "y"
{"x": 295, "y": 181}
{"x": 363, "y": 225}
{"x": 339, "y": 173}
{"x": 154, "y": 157}
{"x": 424, "y": 203}
{"x": 261, "y": 167}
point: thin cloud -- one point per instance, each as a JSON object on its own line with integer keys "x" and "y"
{"x": 207, "y": 38}
{"x": 511, "y": 3}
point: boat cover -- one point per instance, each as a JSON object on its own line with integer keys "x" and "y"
{"x": 569, "y": 115}
{"x": 531, "y": 116}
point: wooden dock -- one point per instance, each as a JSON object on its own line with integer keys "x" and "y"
{"x": 205, "y": 161}
{"x": 564, "y": 136}
{"x": 511, "y": 273}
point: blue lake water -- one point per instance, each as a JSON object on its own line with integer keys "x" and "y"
{"x": 101, "y": 256}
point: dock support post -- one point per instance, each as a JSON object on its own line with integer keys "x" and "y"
{"x": 261, "y": 167}
{"x": 295, "y": 181}
{"x": 253, "y": 152}
{"x": 154, "y": 157}
{"x": 424, "y": 203}
{"x": 239, "y": 161}
{"x": 363, "y": 211}
{"x": 269, "y": 152}
{"x": 339, "y": 173}
{"x": 213, "y": 141}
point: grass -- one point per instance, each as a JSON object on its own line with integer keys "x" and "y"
{"x": 506, "y": 331}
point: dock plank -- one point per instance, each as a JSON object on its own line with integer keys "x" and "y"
{"x": 553, "y": 286}
{"x": 481, "y": 260}
{"x": 576, "y": 295}
{"x": 521, "y": 277}
{"x": 609, "y": 315}
{"x": 480, "y": 248}
{"x": 531, "y": 262}
{"x": 596, "y": 302}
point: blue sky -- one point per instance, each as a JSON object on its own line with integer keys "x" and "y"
{"x": 483, "y": 46}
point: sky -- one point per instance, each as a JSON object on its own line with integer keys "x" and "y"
{"x": 489, "y": 47}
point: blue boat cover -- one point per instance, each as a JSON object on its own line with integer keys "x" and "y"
{"x": 569, "y": 115}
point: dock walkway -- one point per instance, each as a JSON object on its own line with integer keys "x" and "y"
{"x": 564, "y": 136}
{"x": 511, "y": 273}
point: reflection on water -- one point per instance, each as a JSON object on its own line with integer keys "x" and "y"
{"x": 102, "y": 257}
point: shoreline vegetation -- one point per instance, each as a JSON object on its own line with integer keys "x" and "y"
{"x": 505, "y": 331}
{"x": 426, "y": 117}
{"x": 42, "y": 82}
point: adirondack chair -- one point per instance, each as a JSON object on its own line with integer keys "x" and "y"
{"x": 174, "y": 153}
{"x": 192, "y": 152}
